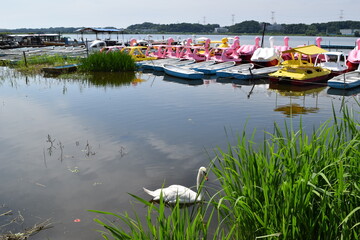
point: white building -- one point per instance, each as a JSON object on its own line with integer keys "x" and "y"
{"x": 221, "y": 30}
{"x": 349, "y": 31}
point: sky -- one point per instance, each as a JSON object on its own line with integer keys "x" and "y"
{"x": 121, "y": 14}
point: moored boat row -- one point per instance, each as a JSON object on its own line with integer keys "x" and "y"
{"x": 299, "y": 66}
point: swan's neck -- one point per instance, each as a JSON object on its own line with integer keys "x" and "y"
{"x": 198, "y": 183}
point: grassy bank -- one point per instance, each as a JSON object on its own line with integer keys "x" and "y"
{"x": 95, "y": 62}
{"x": 293, "y": 185}
{"x": 34, "y": 64}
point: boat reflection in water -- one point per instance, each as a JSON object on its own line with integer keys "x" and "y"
{"x": 235, "y": 82}
{"x": 344, "y": 92}
{"x": 295, "y": 92}
{"x": 295, "y": 109}
{"x": 195, "y": 82}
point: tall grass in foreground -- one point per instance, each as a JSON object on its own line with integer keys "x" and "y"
{"x": 295, "y": 186}
{"x": 160, "y": 222}
{"x": 108, "y": 62}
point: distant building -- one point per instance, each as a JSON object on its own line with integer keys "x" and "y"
{"x": 221, "y": 30}
{"x": 349, "y": 31}
{"x": 274, "y": 27}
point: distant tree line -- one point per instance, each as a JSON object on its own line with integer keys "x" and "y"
{"x": 245, "y": 27}
{"x": 173, "y": 28}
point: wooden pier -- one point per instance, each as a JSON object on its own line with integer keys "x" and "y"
{"x": 328, "y": 46}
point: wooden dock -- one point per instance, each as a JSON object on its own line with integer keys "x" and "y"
{"x": 329, "y": 46}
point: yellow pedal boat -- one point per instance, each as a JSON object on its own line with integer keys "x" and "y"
{"x": 139, "y": 53}
{"x": 298, "y": 71}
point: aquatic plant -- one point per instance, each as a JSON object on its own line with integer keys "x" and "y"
{"x": 292, "y": 186}
{"x": 108, "y": 62}
{"x": 161, "y": 222}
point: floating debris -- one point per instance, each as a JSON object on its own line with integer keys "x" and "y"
{"x": 74, "y": 170}
{"x": 27, "y": 232}
{"x": 41, "y": 185}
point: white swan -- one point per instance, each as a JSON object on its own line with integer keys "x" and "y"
{"x": 183, "y": 194}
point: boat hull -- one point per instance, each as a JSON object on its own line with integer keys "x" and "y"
{"x": 255, "y": 73}
{"x": 179, "y": 72}
{"x": 60, "y": 69}
{"x": 270, "y": 63}
{"x": 229, "y": 72}
{"x": 214, "y": 68}
{"x": 299, "y": 82}
{"x": 345, "y": 81}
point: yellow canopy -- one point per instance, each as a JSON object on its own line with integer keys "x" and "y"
{"x": 307, "y": 50}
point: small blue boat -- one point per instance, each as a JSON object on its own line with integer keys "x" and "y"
{"x": 212, "y": 69}
{"x": 60, "y": 69}
{"x": 346, "y": 80}
{"x": 228, "y": 72}
{"x": 255, "y": 73}
{"x": 151, "y": 64}
{"x": 177, "y": 63}
{"x": 197, "y": 65}
{"x": 178, "y": 71}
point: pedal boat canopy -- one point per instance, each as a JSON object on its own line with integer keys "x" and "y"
{"x": 304, "y": 50}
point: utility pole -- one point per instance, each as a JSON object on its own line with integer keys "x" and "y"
{"x": 341, "y": 15}
{"x": 233, "y": 19}
{"x": 204, "y": 19}
{"x": 272, "y": 17}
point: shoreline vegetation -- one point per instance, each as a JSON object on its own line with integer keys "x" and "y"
{"x": 95, "y": 62}
{"x": 245, "y": 27}
{"x": 290, "y": 186}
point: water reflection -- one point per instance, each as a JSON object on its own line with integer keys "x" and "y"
{"x": 294, "y": 92}
{"x": 196, "y": 82}
{"x": 294, "y": 109}
{"x": 238, "y": 82}
{"x": 344, "y": 92}
{"x": 110, "y": 79}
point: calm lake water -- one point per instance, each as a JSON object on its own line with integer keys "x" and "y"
{"x": 72, "y": 145}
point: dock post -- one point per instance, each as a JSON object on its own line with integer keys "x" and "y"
{"x": 87, "y": 48}
{"x": 25, "y": 59}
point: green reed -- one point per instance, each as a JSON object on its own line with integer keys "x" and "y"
{"x": 108, "y": 62}
{"x": 292, "y": 186}
{"x": 161, "y": 222}
{"x": 296, "y": 186}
